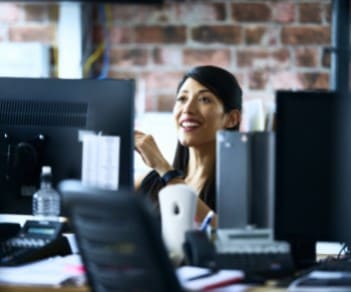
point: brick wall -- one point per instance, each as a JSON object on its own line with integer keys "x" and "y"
{"x": 268, "y": 45}
{"x": 20, "y": 22}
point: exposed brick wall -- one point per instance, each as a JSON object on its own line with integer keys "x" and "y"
{"x": 34, "y": 22}
{"x": 268, "y": 45}
{"x": 28, "y": 22}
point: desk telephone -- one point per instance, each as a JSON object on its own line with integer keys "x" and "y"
{"x": 36, "y": 240}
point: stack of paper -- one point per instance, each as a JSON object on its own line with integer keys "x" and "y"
{"x": 202, "y": 279}
{"x": 55, "y": 271}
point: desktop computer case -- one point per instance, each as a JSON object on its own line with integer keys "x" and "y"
{"x": 245, "y": 179}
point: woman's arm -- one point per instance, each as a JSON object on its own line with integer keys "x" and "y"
{"x": 146, "y": 146}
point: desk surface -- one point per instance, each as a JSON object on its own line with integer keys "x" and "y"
{"x": 43, "y": 289}
{"x": 86, "y": 289}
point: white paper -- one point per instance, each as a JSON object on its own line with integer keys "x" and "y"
{"x": 100, "y": 160}
{"x": 53, "y": 271}
{"x": 220, "y": 278}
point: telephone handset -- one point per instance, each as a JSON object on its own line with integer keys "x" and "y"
{"x": 36, "y": 240}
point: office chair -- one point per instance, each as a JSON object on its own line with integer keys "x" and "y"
{"x": 119, "y": 239}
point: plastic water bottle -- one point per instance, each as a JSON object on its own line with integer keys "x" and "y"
{"x": 46, "y": 201}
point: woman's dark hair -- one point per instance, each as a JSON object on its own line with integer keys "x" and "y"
{"x": 225, "y": 86}
{"x": 221, "y": 83}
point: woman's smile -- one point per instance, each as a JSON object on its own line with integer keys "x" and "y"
{"x": 189, "y": 125}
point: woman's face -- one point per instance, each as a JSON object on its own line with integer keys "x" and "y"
{"x": 198, "y": 114}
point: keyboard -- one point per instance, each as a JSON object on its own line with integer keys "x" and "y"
{"x": 268, "y": 265}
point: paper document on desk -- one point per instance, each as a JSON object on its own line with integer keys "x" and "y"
{"x": 55, "y": 271}
{"x": 196, "y": 279}
{"x": 100, "y": 160}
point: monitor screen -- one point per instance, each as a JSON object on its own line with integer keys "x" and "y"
{"x": 303, "y": 184}
{"x": 305, "y": 167}
{"x": 41, "y": 123}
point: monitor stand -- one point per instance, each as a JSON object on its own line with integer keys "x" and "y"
{"x": 303, "y": 253}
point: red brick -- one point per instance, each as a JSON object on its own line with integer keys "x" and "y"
{"x": 128, "y": 57}
{"x": 41, "y": 13}
{"x": 145, "y": 14}
{"x": 284, "y": 12}
{"x": 247, "y": 57}
{"x": 167, "y": 56}
{"x": 315, "y": 80}
{"x": 307, "y": 57}
{"x": 258, "y": 80}
{"x": 281, "y": 55}
{"x": 253, "y": 12}
{"x": 120, "y": 35}
{"x": 217, "y": 34}
{"x": 195, "y": 57}
{"x": 279, "y": 58}
{"x": 160, "y": 34}
{"x": 254, "y": 35}
{"x": 310, "y": 12}
{"x": 200, "y": 12}
{"x": 117, "y": 35}
{"x": 29, "y": 33}
{"x": 328, "y": 11}
{"x": 306, "y": 35}
{"x": 156, "y": 80}
{"x": 286, "y": 80}
{"x": 272, "y": 36}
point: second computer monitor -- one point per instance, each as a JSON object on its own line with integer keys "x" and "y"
{"x": 41, "y": 123}
{"x": 305, "y": 165}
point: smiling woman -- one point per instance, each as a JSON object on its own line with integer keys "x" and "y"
{"x": 208, "y": 99}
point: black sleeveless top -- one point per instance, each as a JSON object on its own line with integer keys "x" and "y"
{"x": 152, "y": 184}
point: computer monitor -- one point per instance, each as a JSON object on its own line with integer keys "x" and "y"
{"x": 40, "y": 124}
{"x": 307, "y": 196}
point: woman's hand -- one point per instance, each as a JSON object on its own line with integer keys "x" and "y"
{"x": 146, "y": 146}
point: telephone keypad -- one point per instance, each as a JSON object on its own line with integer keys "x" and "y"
{"x": 35, "y": 241}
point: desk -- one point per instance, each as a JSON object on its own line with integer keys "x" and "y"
{"x": 21, "y": 219}
{"x": 86, "y": 289}
{"x": 43, "y": 289}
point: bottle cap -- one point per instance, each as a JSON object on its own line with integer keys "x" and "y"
{"x": 46, "y": 169}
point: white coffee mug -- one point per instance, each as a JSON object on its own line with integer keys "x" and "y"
{"x": 178, "y": 208}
